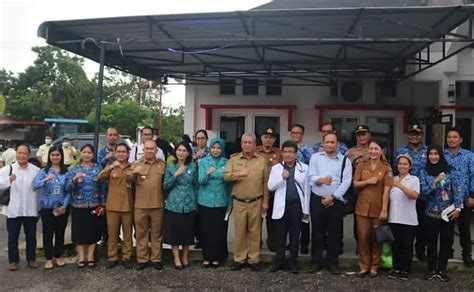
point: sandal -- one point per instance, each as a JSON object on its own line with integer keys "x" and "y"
{"x": 206, "y": 265}
{"x": 60, "y": 262}
{"x": 362, "y": 274}
{"x": 91, "y": 264}
{"x": 48, "y": 265}
{"x": 215, "y": 265}
{"x": 373, "y": 274}
{"x": 81, "y": 264}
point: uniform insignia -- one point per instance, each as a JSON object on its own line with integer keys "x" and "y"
{"x": 390, "y": 173}
{"x": 423, "y": 155}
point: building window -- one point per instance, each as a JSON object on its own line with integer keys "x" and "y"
{"x": 458, "y": 89}
{"x": 386, "y": 89}
{"x": 227, "y": 86}
{"x": 471, "y": 89}
{"x": 273, "y": 86}
{"x": 250, "y": 87}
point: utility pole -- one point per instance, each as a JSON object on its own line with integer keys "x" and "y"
{"x": 160, "y": 107}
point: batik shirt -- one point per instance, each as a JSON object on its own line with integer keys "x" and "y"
{"x": 463, "y": 170}
{"x": 88, "y": 192}
{"x": 304, "y": 153}
{"x": 53, "y": 193}
{"x": 419, "y": 158}
{"x": 182, "y": 189}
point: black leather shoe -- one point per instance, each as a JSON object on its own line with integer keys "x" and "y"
{"x": 468, "y": 261}
{"x": 141, "y": 266}
{"x": 127, "y": 264}
{"x": 276, "y": 267}
{"x": 334, "y": 270}
{"x": 111, "y": 264}
{"x": 254, "y": 267}
{"x": 237, "y": 267}
{"x": 293, "y": 268}
{"x": 316, "y": 268}
{"x": 304, "y": 250}
{"x": 197, "y": 245}
{"x": 158, "y": 266}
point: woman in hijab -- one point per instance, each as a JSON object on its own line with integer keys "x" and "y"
{"x": 436, "y": 186}
{"x": 214, "y": 202}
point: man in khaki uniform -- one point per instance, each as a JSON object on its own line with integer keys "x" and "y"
{"x": 248, "y": 172}
{"x": 119, "y": 206}
{"x": 273, "y": 156}
{"x": 149, "y": 203}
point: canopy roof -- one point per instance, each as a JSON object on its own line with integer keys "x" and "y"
{"x": 307, "y": 44}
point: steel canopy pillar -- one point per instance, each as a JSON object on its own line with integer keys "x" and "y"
{"x": 98, "y": 99}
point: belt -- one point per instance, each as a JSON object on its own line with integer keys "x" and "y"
{"x": 248, "y": 200}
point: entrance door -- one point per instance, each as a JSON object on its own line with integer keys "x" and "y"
{"x": 231, "y": 129}
{"x": 464, "y": 125}
{"x": 344, "y": 127}
{"x": 383, "y": 130}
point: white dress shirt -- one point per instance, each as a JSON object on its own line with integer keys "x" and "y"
{"x": 402, "y": 208}
{"x": 321, "y": 165}
{"x": 24, "y": 200}
{"x": 137, "y": 153}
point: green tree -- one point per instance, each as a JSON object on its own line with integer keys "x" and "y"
{"x": 173, "y": 124}
{"x": 54, "y": 86}
{"x": 125, "y": 116}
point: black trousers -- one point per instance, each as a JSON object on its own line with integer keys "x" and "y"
{"x": 326, "y": 221}
{"x": 464, "y": 226}
{"x": 13, "y": 229}
{"x": 53, "y": 227}
{"x": 438, "y": 230}
{"x": 305, "y": 231}
{"x": 402, "y": 247}
{"x": 289, "y": 224}
{"x": 420, "y": 244}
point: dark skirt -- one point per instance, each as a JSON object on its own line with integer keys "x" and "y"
{"x": 85, "y": 226}
{"x": 213, "y": 233}
{"x": 178, "y": 228}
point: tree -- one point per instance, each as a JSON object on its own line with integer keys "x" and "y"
{"x": 173, "y": 124}
{"x": 125, "y": 116}
{"x": 54, "y": 86}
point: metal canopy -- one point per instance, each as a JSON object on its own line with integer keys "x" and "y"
{"x": 312, "y": 45}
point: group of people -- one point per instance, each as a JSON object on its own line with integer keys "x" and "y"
{"x": 303, "y": 193}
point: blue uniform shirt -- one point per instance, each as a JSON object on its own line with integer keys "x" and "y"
{"x": 434, "y": 200}
{"x": 182, "y": 189}
{"x": 88, "y": 193}
{"x": 206, "y": 152}
{"x": 53, "y": 194}
{"x": 304, "y": 153}
{"x": 419, "y": 158}
{"x": 463, "y": 170}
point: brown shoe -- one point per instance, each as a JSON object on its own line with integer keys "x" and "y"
{"x": 13, "y": 267}
{"x": 32, "y": 264}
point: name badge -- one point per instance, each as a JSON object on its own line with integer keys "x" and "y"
{"x": 56, "y": 190}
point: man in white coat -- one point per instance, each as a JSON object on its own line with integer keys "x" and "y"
{"x": 289, "y": 181}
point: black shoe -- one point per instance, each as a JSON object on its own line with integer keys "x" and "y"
{"x": 271, "y": 248}
{"x": 111, "y": 264}
{"x": 237, "y": 267}
{"x": 197, "y": 245}
{"x": 180, "y": 267}
{"x": 254, "y": 267}
{"x": 403, "y": 276}
{"x": 468, "y": 261}
{"x": 102, "y": 242}
{"x": 431, "y": 275}
{"x": 443, "y": 276}
{"x": 334, "y": 270}
{"x": 362, "y": 274}
{"x": 316, "y": 268}
{"x": 276, "y": 267}
{"x": 127, "y": 264}
{"x": 421, "y": 255}
{"x": 304, "y": 250}
{"x": 158, "y": 266}
{"x": 141, "y": 266}
{"x": 293, "y": 268}
{"x": 393, "y": 274}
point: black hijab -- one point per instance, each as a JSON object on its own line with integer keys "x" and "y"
{"x": 441, "y": 166}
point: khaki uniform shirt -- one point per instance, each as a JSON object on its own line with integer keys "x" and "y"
{"x": 273, "y": 157}
{"x": 119, "y": 195}
{"x": 370, "y": 197}
{"x": 43, "y": 152}
{"x": 358, "y": 154}
{"x": 149, "y": 184}
{"x": 252, "y": 185}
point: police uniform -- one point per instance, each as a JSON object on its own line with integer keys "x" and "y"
{"x": 149, "y": 203}
{"x": 368, "y": 207}
{"x": 274, "y": 156}
{"x": 418, "y": 157}
{"x": 119, "y": 207}
{"x": 249, "y": 193}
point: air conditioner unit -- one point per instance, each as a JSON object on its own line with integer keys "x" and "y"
{"x": 350, "y": 91}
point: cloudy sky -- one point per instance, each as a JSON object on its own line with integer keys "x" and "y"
{"x": 19, "y": 20}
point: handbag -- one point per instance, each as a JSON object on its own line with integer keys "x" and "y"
{"x": 350, "y": 197}
{"x": 5, "y": 193}
{"x": 383, "y": 233}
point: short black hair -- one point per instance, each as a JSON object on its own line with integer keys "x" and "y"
{"x": 24, "y": 145}
{"x": 454, "y": 129}
{"x": 201, "y": 131}
{"x": 331, "y": 133}
{"x": 299, "y": 126}
{"x": 123, "y": 145}
{"x": 289, "y": 144}
{"x": 147, "y": 128}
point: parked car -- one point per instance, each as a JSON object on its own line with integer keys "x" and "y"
{"x": 80, "y": 139}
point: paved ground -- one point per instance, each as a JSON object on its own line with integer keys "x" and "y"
{"x": 196, "y": 278}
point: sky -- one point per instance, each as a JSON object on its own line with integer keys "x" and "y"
{"x": 20, "y": 19}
